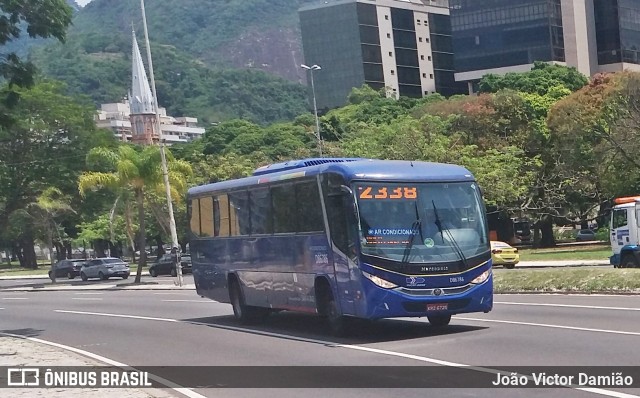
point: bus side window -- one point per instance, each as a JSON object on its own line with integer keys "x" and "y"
{"x": 261, "y": 214}
{"x": 239, "y": 213}
{"x": 206, "y": 217}
{"x": 221, "y": 216}
{"x": 284, "y": 202}
{"x": 195, "y": 216}
{"x": 308, "y": 207}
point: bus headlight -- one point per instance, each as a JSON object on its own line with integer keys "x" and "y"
{"x": 482, "y": 277}
{"x": 379, "y": 281}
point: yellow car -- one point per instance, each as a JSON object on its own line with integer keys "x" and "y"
{"x": 503, "y": 254}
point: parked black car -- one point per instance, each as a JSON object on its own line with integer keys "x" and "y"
{"x": 67, "y": 268}
{"x": 185, "y": 263}
{"x": 585, "y": 235}
{"x": 166, "y": 265}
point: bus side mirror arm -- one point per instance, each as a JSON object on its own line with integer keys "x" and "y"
{"x": 343, "y": 190}
{"x": 346, "y": 190}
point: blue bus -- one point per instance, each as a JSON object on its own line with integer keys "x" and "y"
{"x": 344, "y": 238}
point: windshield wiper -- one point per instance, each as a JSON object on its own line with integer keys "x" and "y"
{"x": 453, "y": 243}
{"x": 415, "y": 228}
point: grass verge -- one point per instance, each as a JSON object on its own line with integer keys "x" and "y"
{"x": 595, "y": 252}
{"x": 583, "y": 280}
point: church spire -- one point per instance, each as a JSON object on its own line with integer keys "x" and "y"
{"x": 141, "y": 96}
{"x": 144, "y": 129}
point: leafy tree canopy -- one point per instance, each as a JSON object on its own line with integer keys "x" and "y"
{"x": 542, "y": 78}
{"x": 39, "y": 18}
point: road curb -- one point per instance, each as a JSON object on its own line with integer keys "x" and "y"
{"x": 109, "y": 288}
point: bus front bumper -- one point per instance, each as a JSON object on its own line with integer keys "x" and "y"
{"x": 402, "y": 302}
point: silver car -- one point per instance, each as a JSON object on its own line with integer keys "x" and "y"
{"x": 104, "y": 268}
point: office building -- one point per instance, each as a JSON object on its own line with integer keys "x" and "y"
{"x": 501, "y": 36}
{"x": 402, "y": 46}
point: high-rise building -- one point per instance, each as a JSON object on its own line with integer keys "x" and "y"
{"x": 403, "y": 46}
{"x": 500, "y": 36}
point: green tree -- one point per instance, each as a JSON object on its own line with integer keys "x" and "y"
{"x": 43, "y": 18}
{"x": 539, "y": 80}
{"x": 138, "y": 170}
{"x": 43, "y": 147}
{"x": 45, "y": 211}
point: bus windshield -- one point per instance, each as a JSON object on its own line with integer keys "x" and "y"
{"x": 421, "y": 222}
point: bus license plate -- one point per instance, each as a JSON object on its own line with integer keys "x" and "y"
{"x": 438, "y": 307}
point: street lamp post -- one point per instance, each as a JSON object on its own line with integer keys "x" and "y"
{"x": 163, "y": 157}
{"x": 315, "y": 106}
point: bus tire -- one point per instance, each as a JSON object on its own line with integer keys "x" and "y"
{"x": 328, "y": 309}
{"x": 628, "y": 261}
{"x": 439, "y": 320}
{"x": 245, "y": 314}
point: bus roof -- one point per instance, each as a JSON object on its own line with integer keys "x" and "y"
{"x": 350, "y": 169}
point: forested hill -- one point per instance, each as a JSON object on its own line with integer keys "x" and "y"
{"x": 262, "y": 34}
{"x": 213, "y": 59}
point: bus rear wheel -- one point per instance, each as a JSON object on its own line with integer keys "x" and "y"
{"x": 245, "y": 314}
{"x": 439, "y": 320}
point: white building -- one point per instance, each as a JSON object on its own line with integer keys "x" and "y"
{"x": 117, "y": 118}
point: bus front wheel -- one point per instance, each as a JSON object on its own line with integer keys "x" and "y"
{"x": 328, "y": 309}
{"x": 245, "y": 313}
{"x": 439, "y": 320}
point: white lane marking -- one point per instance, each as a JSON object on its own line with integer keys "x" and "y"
{"x": 174, "y": 294}
{"x": 192, "y": 301}
{"x": 175, "y": 387}
{"x": 544, "y": 325}
{"x": 87, "y": 298}
{"x": 598, "y": 391}
{"x": 591, "y": 307}
{"x": 629, "y": 296}
{"x": 15, "y": 298}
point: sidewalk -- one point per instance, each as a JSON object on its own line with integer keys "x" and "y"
{"x": 22, "y": 352}
{"x": 50, "y": 287}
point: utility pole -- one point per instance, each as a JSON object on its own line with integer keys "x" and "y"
{"x": 163, "y": 156}
{"x": 315, "y": 106}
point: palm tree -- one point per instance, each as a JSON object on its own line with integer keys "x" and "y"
{"x": 138, "y": 171}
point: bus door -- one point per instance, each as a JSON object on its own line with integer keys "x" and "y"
{"x": 340, "y": 219}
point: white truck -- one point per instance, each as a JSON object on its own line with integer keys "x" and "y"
{"x": 624, "y": 229}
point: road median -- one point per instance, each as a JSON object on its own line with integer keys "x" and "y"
{"x": 603, "y": 280}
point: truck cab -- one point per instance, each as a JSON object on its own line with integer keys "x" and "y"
{"x": 624, "y": 232}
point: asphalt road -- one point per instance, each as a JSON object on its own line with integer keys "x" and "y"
{"x": 155, "y": 328}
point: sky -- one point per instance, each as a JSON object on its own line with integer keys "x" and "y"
{"x": 83, "y": 2}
